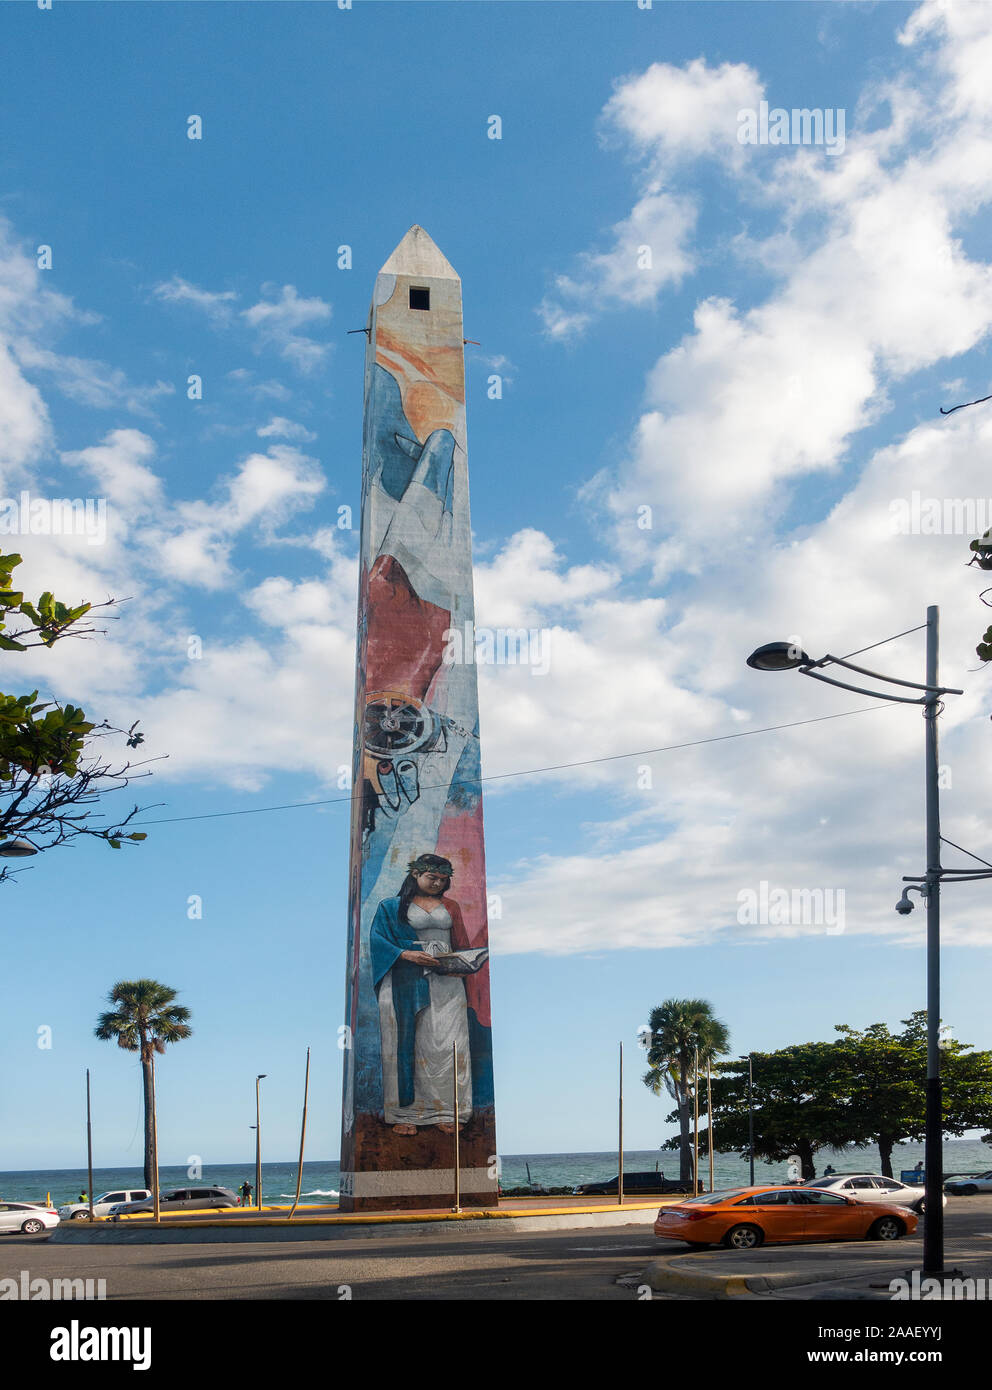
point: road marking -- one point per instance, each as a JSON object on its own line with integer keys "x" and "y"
{"x": 596, "y": 1248}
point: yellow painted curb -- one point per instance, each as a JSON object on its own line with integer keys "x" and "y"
{"x": 384, "y": 1218}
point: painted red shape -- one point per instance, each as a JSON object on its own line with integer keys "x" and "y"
{"x": 405, "y": 633}
{"x": 460, "y": 841}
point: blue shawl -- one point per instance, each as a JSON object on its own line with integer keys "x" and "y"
{"x": 411, "y": 988}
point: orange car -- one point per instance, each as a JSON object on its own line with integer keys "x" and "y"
{"x": 745, "y": 1217}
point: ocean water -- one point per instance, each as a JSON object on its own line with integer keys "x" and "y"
{"x": 321, "y": 1179}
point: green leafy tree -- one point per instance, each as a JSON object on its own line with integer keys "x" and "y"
{"x": 799, "y": 1106}
{"x": 883, "y": 1077}
{"x": 678, "y": 1028}
{"x": 50, "y": 774}
{"x": 145, "y": 1020}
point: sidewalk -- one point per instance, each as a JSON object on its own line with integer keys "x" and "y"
{"x": 848, "y": 1270}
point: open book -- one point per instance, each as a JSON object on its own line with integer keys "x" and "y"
{"x": 457, "y": 962}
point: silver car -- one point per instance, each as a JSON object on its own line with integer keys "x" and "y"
{"x": 28, "y": 1217}
{"x": 873, "y": 1187}
{"x": 178, "y": 1199}
{"x": 967, "y": 1187}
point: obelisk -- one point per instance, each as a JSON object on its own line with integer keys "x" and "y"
{"x": 417, "y": 1001}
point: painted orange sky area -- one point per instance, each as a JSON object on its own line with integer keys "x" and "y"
{"x": 432, "y": 384}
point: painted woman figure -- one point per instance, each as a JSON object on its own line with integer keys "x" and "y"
{"x": 422, "y": 1012}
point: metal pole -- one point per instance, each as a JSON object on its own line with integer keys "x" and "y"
{"x": 156, "y": 1202}
{"x": 303, "y": 1135}
{"x": 750, "y": 1116}
{"x": 695, "y": 1125}
{"x": 709, "y": 1113}
{"x": 89, "y": 1145}
{"x": 620, "y": 1136}
{"x": 458, "y": 1175}
{"x": 933, "y": 1226}
{"x": 258, "y": 1145}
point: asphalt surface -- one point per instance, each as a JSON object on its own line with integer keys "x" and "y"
{"x": 466, "y": 1264}
{"x": 581, "y": 1264}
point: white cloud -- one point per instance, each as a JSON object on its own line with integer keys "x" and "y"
{"x": 92, "y": 382}
{"x": 668, "y": 115}
{"x": 120, "y": 466}
{"x": 278, "y": 322}
{"x": 673, "y": 114}
{"x": 215, "y": 304}
{"x": 25, "y": 427}
{"x": 287, "y": 429}
{"x": 876, "y": 286}
{"x": 650, "y": 250}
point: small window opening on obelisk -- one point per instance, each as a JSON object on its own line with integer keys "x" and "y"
{"x": 419, "y": 298}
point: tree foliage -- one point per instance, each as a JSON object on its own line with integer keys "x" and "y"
{"x": 50, "y": 770}
{"x": 864, "y": 1087}
{"x": 145, "y": 1020}
{"x": 799, "y": 1105}
{"x": 679, "y": 1028}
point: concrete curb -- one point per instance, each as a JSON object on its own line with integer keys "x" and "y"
{"x": 331, "y": 1227}
{"x": 665, "y": 1276}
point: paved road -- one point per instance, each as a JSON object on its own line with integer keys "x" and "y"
{"x": 582, "y": 1264}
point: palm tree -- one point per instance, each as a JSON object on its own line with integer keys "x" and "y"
{"x": 678, "y": 1028}
{"x": 144, "y": 1021}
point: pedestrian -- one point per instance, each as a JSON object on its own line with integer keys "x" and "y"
{"x": 84, "y": 1197}
{"x": 829, "y": 1170}
{"x": 245, "y": 1191}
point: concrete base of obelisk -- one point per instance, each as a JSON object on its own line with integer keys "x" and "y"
{"x": 386, "y": 1171}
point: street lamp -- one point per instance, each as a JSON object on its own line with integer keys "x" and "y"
{"x": 258, "y": 1141}
{"x": 16, "y": 849}
{"x": 784, "y": 656}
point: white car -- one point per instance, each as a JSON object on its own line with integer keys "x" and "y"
{"x": 80, "y": 1211}
{"x": 967, "y": 1187}
{"x": 872, "y": 1187}
{"x": 27, "y": 1217}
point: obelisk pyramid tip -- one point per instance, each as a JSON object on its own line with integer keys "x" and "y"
{"x": 417, "y": 255}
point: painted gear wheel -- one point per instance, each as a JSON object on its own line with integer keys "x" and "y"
{"x": 396, "y": 723}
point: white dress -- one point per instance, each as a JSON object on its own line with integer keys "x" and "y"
{"x": 442, "y": 1023}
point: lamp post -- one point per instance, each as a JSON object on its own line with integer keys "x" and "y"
{"x": 750, "y": 1116}
{"x": 258, "y": 1141}
{"x": 782, "y": 656}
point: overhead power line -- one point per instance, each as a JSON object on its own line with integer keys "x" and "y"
{"x": 527, "y": 771}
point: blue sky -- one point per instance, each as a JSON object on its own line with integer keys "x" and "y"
{"x": 769, "y": 387}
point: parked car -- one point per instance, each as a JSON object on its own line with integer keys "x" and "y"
{"x": 80, "y": 1211}
{"x": 28, "y": 1217}
{"x": 746, "y": 1217}
{"x": 872, "y": 1187}
{"x": 967, "y": 1187}
{"x": 178, "y": 1199}
{"x": 634, "y": 1184}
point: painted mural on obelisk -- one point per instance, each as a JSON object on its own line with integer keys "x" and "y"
{"x": 418, "y": 972}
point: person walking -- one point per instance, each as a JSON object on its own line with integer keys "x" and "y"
{"x": 245, "y": 1190}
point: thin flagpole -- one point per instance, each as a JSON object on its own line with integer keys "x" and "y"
{"x": 303, "y": 1135}
{"x": 458, "y": 1176}
{"x": 156, "y": 1200}
{"x": 709, "y": 1112}
{"x": 695, "y": 1125}
{"x": 620, "y": 1137}
{"x": 89, "y": 1145}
